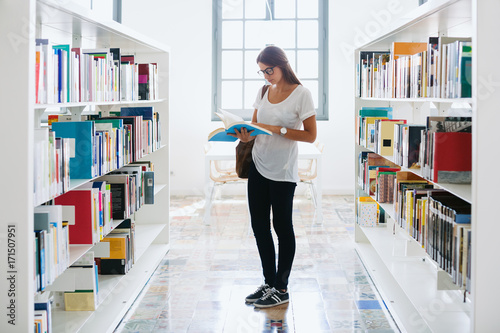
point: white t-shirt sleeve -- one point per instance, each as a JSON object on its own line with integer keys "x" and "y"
{"x": 306, "y": 105}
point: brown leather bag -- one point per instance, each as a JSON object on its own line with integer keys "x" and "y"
{"x": 244, "y": 152}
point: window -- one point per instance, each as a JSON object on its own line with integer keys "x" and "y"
{"x": 244, "y": 27}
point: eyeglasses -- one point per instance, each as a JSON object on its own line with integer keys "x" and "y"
{"x": 268, "y": 71}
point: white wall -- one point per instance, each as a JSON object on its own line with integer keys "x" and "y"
{"x": 187, "y": 26}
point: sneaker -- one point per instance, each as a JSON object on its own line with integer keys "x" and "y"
{"x": 272, "y": 298}
{"x": 261, "y": 291}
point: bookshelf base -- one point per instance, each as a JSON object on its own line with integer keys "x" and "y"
{"x": 116, "y": 294}
{"x": 408, "y": 284}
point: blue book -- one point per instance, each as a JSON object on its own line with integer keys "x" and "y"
{"x": 145, "y": 111}
{"x": 232, "y": 122}
{"x": 81, "y": 135}
{"x": 64, "y": 55}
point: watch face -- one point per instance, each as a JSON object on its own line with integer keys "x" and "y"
{"x": 283, "y": 131}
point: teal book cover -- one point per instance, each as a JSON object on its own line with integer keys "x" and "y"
{"x": 81, "y": 135}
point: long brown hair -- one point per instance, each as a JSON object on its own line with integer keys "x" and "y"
{"x": 274, "y": 56}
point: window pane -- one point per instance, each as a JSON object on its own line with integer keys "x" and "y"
{"x": 251, "y": 67}
{"x": 307, "y": 64}
{"x": 251, "y": 91}
{"x": 232, "y": 64}
{"x": 291, "y": 55}
{"x": 255, "y": 9}
{"x": 307, "y": 34}
{"x": 284, "y": 8}
{"x": 313, "y": 88}
{"x": 232, "y": 33}
{"x": 307, "y": 8}
{"x": 232, "y": 9}
{"x": 258, "y": 34}
{"x": 231, "y": 94}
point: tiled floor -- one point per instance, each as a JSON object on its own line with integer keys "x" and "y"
{"x": 201, "y": 284}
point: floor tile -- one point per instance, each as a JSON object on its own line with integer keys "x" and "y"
{"x": 201, "y": 284}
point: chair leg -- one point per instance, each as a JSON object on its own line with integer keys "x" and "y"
{"x": 208, "y": 204}
{"x": 314, "y": 194}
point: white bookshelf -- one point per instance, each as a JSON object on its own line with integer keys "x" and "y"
{"x": 419, "y": 294}
{"x": 69, "y": 22}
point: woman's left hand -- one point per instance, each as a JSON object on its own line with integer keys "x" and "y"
{"x": 244, "y": 135}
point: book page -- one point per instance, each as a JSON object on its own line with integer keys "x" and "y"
{"x": 228, "y": 118}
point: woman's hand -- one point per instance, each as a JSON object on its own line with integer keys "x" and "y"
{"x": 244, "y": 135}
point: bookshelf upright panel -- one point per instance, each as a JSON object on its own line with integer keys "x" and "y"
{"x": 421, "y": 296}
{"x": 68, "y": 22}
{"x": 16, "y": 136}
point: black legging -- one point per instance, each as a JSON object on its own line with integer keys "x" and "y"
{"x": 264, "y": 194}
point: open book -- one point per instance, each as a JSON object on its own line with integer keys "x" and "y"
{"x": 231, "y": 122}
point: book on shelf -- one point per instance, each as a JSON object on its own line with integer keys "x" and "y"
{"x": 81, "y": 288}
{"x": 231, "y": 123}
{"x": 384, "y": 135}
{"x": 151, "y": 126}
{"x": 71, "y": 74}
{"x": 452, "y": 157}
{"x": 54, "y": 245}
{"x": 369, "y": 163}
{"x": 407, "y": 138}
{"x": 438, "y": 68}
{"x": 51, "y": 161}
{"x": 123, "y": 194}
{"x": 41, "y": 321}
{"x": 85, "y": 229}
{"x": 448, "y": 235}
{"x": 81, "y": 135}
{"x": 43, "y": 316}
{"x": 381, "y": 112}
{"x": 134, "y": 123}
{"x": 148, "y": 81}
{"x": 367, "y": 212}
{"x": 129, "y": 88}
{"x": 120, "y": 259}
{"x": 459, "y": 159}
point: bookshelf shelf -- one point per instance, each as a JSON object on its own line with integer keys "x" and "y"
{"x": 409, "y": 284}
{"x": 412, "y": 287}
{"x": 72, "y": 22}
{"x": 118, "y": 294}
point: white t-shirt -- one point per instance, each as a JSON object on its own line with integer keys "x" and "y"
{"x": 276, "y": 157}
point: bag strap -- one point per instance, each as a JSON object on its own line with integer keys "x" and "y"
{"x": 264, "y": 89}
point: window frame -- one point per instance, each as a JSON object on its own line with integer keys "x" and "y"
{"x": 323, "y": 72}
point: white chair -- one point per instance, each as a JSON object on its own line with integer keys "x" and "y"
{"x": 221, "y": 173}
{"x": 308, "y": 171}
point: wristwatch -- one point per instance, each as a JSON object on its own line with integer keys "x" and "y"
{"x": 283, "y": 131}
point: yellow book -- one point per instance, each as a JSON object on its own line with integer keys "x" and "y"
{"x": 385, "y": 138}
{"x": 79, "y": 301}
{"x": 117, "y": 246}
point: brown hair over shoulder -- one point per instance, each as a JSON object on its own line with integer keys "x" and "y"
{"x": 275, "y": 56}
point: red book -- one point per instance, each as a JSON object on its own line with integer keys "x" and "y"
{"x": 82, "y": 232}
{"x": 452, "y": 157}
